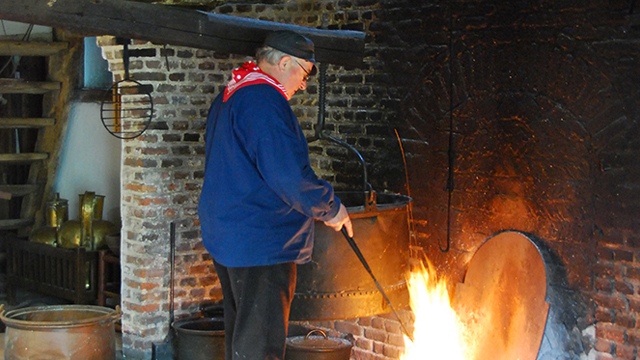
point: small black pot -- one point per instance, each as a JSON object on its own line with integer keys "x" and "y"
{"x": 317, "y": 347}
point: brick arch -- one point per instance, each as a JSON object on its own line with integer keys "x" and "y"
{"x": 527, "y": 122}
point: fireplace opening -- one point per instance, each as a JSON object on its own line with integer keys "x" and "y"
{"x": 514, "y": 303}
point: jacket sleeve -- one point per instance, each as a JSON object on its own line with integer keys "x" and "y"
{"x": 276, "y": 142}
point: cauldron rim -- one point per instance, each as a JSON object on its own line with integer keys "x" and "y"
{"x": 354, "y": 201}
{"x": 183, "y": 326}
{"x": 16, "y": 318}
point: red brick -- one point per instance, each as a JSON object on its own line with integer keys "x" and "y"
{"x": 197, "y": 293}
{"x": 625, "y": 320}
{"x": 623, "y": 255}
{"x": 392, "y": 351}
{"x": 392, "y": 327}
{"x": 148, "y": 286}
{"x": 365, "y": 321}
{"x": 130, "y": 283}
{"x": 633, "y": 241}
{"x": 149, "y": 273}
{"x": 604, "y": 315}
{"x": 375, "y": 334}
{"x": 602, "y": 345}
{"x": 396, "y": 340}
{"x": 604, "y": 253}
{"x": 364, "y": 343}
{"x": 154, "y": 150}
{"x": 208, "y": 280}
{"x": 359, "y": 354}
{"x": 135, "y": 187}
{"x": 610, "y": 332}
{"x": 610, "y": 301}
{"x": 633, "y": 273}
{"x": 378, "y": 347}
{"x": 148, "y": 297}
{"x": 198, "y": 269}
{"x": 634, "y": 304}
{"x": 349, "y": 327}
{"x": 604, "y": 285}
{"x": 633, "y": 337}
{"x": 378, "y": 323}
{"x": 141, "y": 308}
{"x": 625, "y": 352}
{"x": 624, "y": 287}
{"x": 608, "y": 270}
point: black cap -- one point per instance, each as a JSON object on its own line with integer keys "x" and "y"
{"x": 292, "y": 43}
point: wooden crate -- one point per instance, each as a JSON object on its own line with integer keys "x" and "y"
{"x": 65, "y": 273}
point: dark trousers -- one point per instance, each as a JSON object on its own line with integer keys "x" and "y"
{"x": 256, "y": 305}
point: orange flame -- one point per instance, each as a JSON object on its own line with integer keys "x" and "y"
{"x": 438, "y": 331}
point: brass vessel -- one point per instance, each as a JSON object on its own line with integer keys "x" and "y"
{"x": 57, "y": 213}
{"x": 88, "y": 232}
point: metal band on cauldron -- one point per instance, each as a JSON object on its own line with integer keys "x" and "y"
{"x": 373, "y": 291}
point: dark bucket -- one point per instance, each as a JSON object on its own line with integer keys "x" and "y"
{"x": 200, "y": 339}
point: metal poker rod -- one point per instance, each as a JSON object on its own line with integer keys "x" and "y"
{"x": 355, "y": 248}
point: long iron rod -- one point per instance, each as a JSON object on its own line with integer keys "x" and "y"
{"x": 355, "y": 248}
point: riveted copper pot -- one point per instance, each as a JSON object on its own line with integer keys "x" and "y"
{"x": 60, "y": 332}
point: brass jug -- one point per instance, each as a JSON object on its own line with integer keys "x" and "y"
{"x": 57, "y": 212}
{"x": 90, "y": 230}
{"x": 99, "y": 228}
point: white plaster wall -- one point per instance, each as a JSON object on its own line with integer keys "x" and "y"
{"x": 89, "y": 161}
{"x": 16, "y": 31}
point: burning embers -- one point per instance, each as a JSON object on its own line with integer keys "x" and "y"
{"x": 498, "y": 313}
{"x": 438, "y": 331}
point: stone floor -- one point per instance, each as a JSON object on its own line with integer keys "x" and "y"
{"x": 28, "y": 299}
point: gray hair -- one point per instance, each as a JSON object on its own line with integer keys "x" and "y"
{"x": 269, "y": 54}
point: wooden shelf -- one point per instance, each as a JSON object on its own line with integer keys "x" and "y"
{"x": 20, "y": 190}
{"x": 17, "y": 86}
{"x": 26, "y": 122}
{"x": 31, "y": 48}
{"x": 12, "y": 224}
{"x": 23, "y": 158}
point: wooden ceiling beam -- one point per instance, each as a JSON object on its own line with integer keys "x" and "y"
{"x": 162, "y": 24}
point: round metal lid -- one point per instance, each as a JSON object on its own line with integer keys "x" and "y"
{"x": 317, "y": 342}
{"x": 502, "y": 299}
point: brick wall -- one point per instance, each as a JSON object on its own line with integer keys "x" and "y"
{"x": 162, "y": 170}
{"x": 542, "y": 100}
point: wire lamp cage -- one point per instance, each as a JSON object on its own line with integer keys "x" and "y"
{"x": 127, "y": 107}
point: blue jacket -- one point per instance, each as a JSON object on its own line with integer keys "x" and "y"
{"x": 260, "y": 195}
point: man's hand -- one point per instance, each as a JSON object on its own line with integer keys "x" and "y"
{"x": 341, "y": 219}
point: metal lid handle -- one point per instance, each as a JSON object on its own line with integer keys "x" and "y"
{"x": 316, "y": 330}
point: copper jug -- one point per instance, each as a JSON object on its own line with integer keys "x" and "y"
{"x": 57, "y": 212}
{"x": 90, "y": 230}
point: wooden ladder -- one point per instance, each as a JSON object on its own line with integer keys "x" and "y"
{"x": 38, "y": 161}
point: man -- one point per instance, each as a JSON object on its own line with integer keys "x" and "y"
{"x": 260, "y": 196}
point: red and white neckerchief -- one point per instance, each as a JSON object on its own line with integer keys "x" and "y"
{"x": 250, "y": 74}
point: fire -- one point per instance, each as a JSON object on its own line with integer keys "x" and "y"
{"x": 438, "y": 331}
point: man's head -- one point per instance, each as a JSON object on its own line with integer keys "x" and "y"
{"x": 289, "y": 58}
